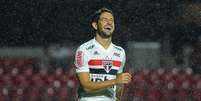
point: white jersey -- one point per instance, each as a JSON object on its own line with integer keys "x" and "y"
{"x": 102, "y": 64}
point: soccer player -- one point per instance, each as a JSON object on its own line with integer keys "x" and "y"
{"x": 99, "y": 62}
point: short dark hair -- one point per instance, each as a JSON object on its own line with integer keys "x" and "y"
{"x": 95, "y": 17}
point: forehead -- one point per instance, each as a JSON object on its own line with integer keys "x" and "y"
{"x": 106, "y": 15}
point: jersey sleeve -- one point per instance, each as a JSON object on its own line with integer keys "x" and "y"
{"x": 81, "y": 62}
{"x": 123, "y": 62}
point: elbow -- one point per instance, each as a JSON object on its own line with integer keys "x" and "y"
{"x": 88, "y": 87}
{"x": 88, "y": 90}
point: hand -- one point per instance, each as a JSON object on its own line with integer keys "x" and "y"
{"x": 123, "y": 78}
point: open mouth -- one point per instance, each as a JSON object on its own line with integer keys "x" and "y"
{"x": 108, "y": 28}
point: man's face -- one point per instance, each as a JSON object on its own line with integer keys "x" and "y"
{"x": 105, "y": 24}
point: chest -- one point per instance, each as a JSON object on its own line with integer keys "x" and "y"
{"x": 104, "y": 55}
{"x": 104, "y": 62}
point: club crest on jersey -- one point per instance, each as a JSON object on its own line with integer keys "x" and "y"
{"x": 107, "y": 66}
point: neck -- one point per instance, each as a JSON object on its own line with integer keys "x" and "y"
{"x": 105, "y": 42}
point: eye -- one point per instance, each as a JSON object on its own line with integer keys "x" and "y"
{"x": 105, "y": 20}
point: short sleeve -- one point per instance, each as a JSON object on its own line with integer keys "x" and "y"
{"x": 123, "y": 62}
{"x": 81, "y": 61}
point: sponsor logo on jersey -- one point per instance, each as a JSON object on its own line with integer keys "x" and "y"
{"x": 116, "y": 54}
{"x": 79, "y": 58}
{"x": 96, "y": 53}
{"x": 90, "y": 47}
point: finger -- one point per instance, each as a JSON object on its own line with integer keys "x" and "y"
{"x": 130, "y": 75}
{"x": 127, "y": 79}
{"x": 127, "y": 74}
{"x": 126, "y": 82}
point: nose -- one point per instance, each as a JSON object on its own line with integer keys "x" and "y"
{"x": 109, "y": 22}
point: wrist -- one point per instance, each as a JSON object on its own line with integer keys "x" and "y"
{"x": 115, "y": 82}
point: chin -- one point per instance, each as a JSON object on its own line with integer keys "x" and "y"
{"x": 105, "y": 34}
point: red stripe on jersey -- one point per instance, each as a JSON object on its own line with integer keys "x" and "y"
{"x": 116, "y": 63}
{"x": 100, "y": 62}
{"x": 95, "y": 62}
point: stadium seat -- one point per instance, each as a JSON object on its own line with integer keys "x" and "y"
{"x": 4, "y": 94}
{"x": 154, "y": 94}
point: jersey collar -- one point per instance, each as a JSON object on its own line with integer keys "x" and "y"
{"x": 101, "y": 47}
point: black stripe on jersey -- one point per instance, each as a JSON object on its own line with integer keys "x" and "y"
{"x": 102, "y": 71}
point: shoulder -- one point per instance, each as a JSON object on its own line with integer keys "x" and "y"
{"x": 118, "y": 48}
{"x": 87, "y": 45}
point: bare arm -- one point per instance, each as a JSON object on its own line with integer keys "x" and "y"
{"x": 90, "y": 86}
{"x": 119, "y": 92}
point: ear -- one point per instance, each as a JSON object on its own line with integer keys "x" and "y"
{"x": 94, "y": 25}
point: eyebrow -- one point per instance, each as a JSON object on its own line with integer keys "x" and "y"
{"x": 107, "y": 18}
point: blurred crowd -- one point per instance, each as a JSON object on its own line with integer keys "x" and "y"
{"x": 171, "y": 84}
{"x": 21, "y": 81}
